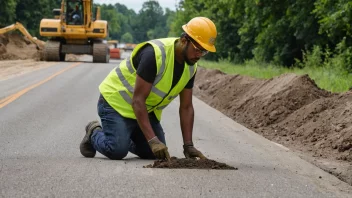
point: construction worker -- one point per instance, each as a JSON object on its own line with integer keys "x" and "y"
{"x": 76, "y": 15}
{"x": 134, "y": 94}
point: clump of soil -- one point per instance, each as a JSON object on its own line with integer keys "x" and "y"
{"x": 287, "y": 109}
{"x": 185, "y": 163}
{"x": 14, "y": 46}
{"x": 4, "y": 39}
{"x": 3, "y": 42}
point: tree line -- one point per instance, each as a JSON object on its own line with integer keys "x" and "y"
{"x": 152, "y": 21}
{"x": 271, "y": 31}
{"x": 280, "y": 32}
{"x": 29, "y": 13}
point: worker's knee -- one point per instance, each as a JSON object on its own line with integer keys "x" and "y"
{"x": 119, "y": 155}
{"x": 116, "y": 152}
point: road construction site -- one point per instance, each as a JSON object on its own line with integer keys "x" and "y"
{"x": 285, "y": 136}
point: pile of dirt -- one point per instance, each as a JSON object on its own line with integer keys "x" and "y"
{"x": 287, "y": 109}
{"x": 16, "y": 47}
{"x": 185, "y": 163}
{"x": 72, "y": 57}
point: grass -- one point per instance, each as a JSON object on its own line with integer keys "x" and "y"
{"x": 326, "y": 78}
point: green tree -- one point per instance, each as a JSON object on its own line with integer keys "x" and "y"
{"x": 335, "y": 19}
{"x": 7, "y": 12}
{"x": 283, "y": 29}
{"x": 127, "y": 38}
{"x": 30, "y": 13}
{"x": 170, "y": 17}
{"x": 149, "y": 18}
{"x": 335, "y": 23}
{"x": 109, "y": 14}
{"x": 228, "y": 17}
{"x": 125, "y": 17}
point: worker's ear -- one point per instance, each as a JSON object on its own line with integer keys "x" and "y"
{"x": 183, "y": 40}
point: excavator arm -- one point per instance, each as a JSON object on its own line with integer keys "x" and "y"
{"x": 23, "y": 30}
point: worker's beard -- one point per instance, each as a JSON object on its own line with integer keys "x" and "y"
{"x": 185, "y": 57}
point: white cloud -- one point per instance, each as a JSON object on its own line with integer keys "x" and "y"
{"x": 136, "y": 5}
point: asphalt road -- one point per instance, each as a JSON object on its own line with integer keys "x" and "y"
{"x": 42, "y": 124}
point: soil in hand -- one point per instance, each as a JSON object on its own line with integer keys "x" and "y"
{"x": 185, "y": 163}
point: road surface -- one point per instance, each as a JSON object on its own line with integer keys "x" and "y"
{"x": 42, "y": 120}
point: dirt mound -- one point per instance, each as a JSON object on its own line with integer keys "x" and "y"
{"x": 4, "y": 39}
{"x": 288, "y": 109}
{"x": 190, "y": 164}
{"x": 16, "y": 47}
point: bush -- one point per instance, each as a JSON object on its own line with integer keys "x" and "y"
{"x": 339, "y": 60}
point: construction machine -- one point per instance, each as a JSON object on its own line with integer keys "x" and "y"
{"x": 18, "y": 26}
{"x": 129, "y": 46}
{"x": 74, "y": 30}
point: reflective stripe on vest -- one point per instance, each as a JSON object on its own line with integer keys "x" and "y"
{"x": 158, "y": 77}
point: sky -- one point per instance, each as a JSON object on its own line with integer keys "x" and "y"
{"x": 136, "y": 5}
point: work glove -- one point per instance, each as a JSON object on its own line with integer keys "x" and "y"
{"x": 158, "y": 148}
{"x": 191, "y": 152}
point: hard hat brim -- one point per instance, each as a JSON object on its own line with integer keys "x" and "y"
{"x": 210, "y": 48}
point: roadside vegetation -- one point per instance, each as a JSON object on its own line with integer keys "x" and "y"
{"x": 327, "y": 72}
{"x": 325, "y": 77}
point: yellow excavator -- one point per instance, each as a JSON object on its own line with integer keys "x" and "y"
{"x": 18, "y": 26}
{"x": 74, "y": 30}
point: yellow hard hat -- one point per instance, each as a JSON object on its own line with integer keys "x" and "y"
{"x": 203, "y": 31}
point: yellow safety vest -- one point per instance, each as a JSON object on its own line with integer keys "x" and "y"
{"x": 118, "y": 87}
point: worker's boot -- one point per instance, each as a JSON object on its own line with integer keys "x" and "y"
{"x": 86, "y": 147}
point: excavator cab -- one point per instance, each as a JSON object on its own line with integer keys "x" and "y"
{"x": 74, "y": 12}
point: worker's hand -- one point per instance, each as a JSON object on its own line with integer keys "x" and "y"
{"x": 159, "y": 149}
{"x": 191, "y": 152}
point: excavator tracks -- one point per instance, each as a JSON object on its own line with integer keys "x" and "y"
{"x": 52, "y": 51}
{"x": 101, "y": 53}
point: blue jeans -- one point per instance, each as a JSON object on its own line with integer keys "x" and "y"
{"x": 120, "y": 135}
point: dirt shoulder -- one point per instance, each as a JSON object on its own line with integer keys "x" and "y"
{"x": 18, "y": 56}
{"x": 290, "y": 110}
{"x": 12, "y": 68}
